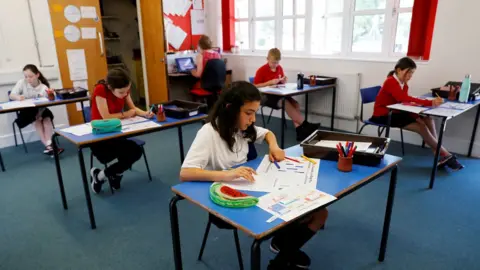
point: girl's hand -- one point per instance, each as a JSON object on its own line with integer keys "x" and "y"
{"x": 274, "y": 81}
{"x": 149, "y": 115}
{"x": 130, "y": 113}
{"x": 276, "y": 154}
{"x": 21, "y": 97}
{"x": 240, "y": 172}
{"x": 437, "y": 101}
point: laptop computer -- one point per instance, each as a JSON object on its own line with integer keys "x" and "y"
{"x": 185, "y": 64}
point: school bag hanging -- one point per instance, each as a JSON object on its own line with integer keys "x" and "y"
{"x": 229, "y": 197}
{"x": 106, "y": 126}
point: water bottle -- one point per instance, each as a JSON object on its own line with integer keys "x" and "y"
{"x": 465, "y": 89}
{"x": 300, "y": 80}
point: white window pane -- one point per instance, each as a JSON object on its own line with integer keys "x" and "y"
{"x": 319, "y": 8}
{"x": 368, "y": 33}
{"x": 369, "y": 4}
{"x": 406, "y": 3}
{"x": 334, "y": 6}
{"x": 403, "y": 32}
{"x": 241, "y": 9}
{"x": 264, "y": 8}
{"x": 300, "y": 35}
{"x": 300, "y": 7}
{"x": 287, "y": 35}
{"x": 287, "y": 7}
{"x": 333, "y": 34}
{"x": 264, "y": 35}
{"x": 317, "y": 36}
{"x": 241, "y": 35}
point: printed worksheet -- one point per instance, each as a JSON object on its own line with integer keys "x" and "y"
{"x": 133, "y": 120}
{"x": 456, "y": 106}
{"x": 290, "y": 203}
{"x": 18, "y": 104}
{"x": 291, "y": 174}
{"x": 79, "y": 130}
{"x": 407, "y": 108}
{"x": 139, "y": 126}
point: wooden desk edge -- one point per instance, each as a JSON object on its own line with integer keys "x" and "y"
{"x": 284, "y": 223}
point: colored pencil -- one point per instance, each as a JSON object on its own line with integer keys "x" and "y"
{"x": 276, "y": 164}
{"x": 292, "y": 159}
{"x": 309, "y": 159}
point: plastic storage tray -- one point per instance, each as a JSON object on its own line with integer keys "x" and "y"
{"x": 180, "y": 109}
{"x": 69, "y": 93}
{"x": 321, "y": 80}
{"x": 474, "y": 90}
{"x": 362, "y": 158}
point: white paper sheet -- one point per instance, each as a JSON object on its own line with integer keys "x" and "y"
{"x": 456, "y": 106}
{"x": 79, "y": 105}
{"x": 89, "y": 32}
{"x": 408, "y": 108}
{"x": 82, "y": 84}
{"x": 72, "y": 13}
{"x": 279, "y": 87}
{"x": 198, "y": 22}
{"x": 88, "y": 12}
{"x": 176, "y": 36}
{"x": 41, "y": 99}
{"x": 79, "y": 130}
{"x": 140, "y": 126}
{"x": 133, "y": 120}
{"x": 291, "y": 174}
{"x": 361, "y": 146}
{"x": 18, "y": 104}
{"x": 197, "y": 4}
{"x": 290, "y": 203}
{"x": 443, "y": 112}
{"x": 183, "y": 10}
{"x": 77, "y": 64}
{"x": 72, "y": 33}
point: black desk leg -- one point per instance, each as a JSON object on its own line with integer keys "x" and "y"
{"x": 177, "y": 251}
{"x": 1, "y": 163}
{"x": 255, "y": 255}
{"x": 306, "y": 107}
{"x": 86, "y": 189}
{"x": 474, "y": 132}
{"x": 180, "y": 142}
{"x": 437, "y": 153}
{"x": 334, "y": 98}
{"x": 83, "y": 112}
{"x": 59, "y": 172}
{"x": 388, "y": 214}
{"x": 389, "y": 122}
{"x": 282, "y": 137}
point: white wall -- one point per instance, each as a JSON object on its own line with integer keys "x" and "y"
{"x": 455, "y": 52}
{"x": 17, "y": 48}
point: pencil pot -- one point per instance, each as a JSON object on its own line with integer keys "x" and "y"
{"x": 345, "y": 164}
{"x": 51, "y": 94}
{"x": 161, "y": 116}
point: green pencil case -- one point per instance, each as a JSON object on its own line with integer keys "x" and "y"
{"x": 106, "y": 126}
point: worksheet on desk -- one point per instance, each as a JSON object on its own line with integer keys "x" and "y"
{"x": 18, "y": 104}
{"x": 407, "y": 108}
{"x": 140, "y": 126}
{"x": 291, "y": 174}
{"x": 79, "y": 130}
{"x": 290, "y": 203}
{"x": 133, "y": 120}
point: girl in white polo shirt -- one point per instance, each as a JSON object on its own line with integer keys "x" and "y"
{"x": 223, "y": 143}
{"x": 35, "y": 85}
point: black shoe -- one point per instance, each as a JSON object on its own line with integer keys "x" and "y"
{"x": 48, "y": 150}
{"x": 59, "y": 151}
{"x": 115, "y": 181}
{"x": 313, "y": 125}
{"x": 304, "y": 130}
{"x": 443, "y": 161}
{"x": 299, "y": 260}
{"x": 280, "y": 263}
{"x": 96, "y": 183}
{"x": 454, "y": 165}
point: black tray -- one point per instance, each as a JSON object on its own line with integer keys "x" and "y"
{"x": 321, "y": 80}
{"x": 69, "y": 93}
{"x": 474, "y": 90}
{"x": 362, "y": 158}
{"x": 181, "y": 109}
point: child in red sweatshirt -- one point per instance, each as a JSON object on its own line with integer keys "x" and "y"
{"x": 395, "y": 90}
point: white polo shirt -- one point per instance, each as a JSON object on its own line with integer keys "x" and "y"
{"x": 24, "y": 88}
{"x": 210, "y": 152}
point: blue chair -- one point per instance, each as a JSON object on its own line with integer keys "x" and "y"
{"x": 262, "y": 106}
{"x": 19, "y": 129}
{"x": 369, "y": 95}
{"x": 141, "y": 143}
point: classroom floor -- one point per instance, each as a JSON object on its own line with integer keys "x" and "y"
{"x": 434, "y": 229}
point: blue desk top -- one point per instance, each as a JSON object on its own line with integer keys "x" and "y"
{"x": 253, "y": 220}
{"x": 292, "y": 92}
{"x": 91, "y": 138}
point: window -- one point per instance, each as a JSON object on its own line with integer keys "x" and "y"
{"x": 349, "y": 28}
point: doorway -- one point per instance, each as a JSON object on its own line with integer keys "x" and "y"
{"x": 122, "y": 43}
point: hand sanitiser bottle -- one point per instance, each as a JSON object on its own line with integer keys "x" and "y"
{"x": 465, "y": 89}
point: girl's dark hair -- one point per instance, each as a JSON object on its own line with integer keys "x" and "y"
{"x": 116, "y": 78}
{"x": 224, "y": 115}
{"x": 35, "y": 70}
{"x": 402, "y": 64}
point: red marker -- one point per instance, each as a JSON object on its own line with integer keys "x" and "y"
{"x": 292, "y": 159}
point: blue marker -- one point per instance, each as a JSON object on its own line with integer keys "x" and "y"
{"x": 276, "y": 164}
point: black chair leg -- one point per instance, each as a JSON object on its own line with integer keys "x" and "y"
{"x": 423, "y": 144}
{"x": 14, "y": 133}
{"x": 403, "y": 147}
{"x": 146, "y": 164}
{"x": 270, "y": 116}
{"x": 380, "y": 131}
{"x": 263, "y": 117}
{"x": 23, "y": 141}
{"x": 204, "y": 241}
{"x": 111, "y": 188}
{"x": 239, "y": 251}
{"x": 361, "y": 129}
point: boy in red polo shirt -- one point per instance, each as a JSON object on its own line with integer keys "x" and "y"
{"x": 272, "y": 74}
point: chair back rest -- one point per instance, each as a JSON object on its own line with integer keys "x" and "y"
{"x": 9, "y": 99}
{"x": 250, "y": 79}
{"x": 214, "y": 75}
{"x": 87, "y": 111}
{"x": 252, "y": 151}
{"x": 369, "y": 94}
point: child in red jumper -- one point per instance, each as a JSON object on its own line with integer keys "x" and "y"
{"x": 395, "y": 90}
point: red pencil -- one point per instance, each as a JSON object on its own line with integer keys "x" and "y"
{"x": 350, "y": 154}
{"x": 292, "y": 159}
{"x": 340, "y": 152}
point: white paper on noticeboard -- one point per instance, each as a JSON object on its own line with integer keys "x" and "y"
{"x": 176, "y": 36}
{"x": 77, "y": 64}
{"x": 89, "y": 33}
{"x": 88, "y": 12}
{"x": 198, "y": 22}
{"x": 197, "y": 4}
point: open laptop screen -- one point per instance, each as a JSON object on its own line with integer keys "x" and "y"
{"x": 185, "y": 64}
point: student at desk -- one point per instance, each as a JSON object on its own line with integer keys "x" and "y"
{"x": 272, "y": 74}
{"x": 205, "y": 53}
{"x": 108, "y": 100}
{"x": 395, "y": 90}
{"x": 35, "y": 85}
{"x": 223, "y": 143}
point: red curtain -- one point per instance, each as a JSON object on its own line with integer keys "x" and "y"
{"x": 228, "y": 24}
{"x": 421, "y": 29}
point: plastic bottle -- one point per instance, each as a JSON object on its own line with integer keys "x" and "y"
{"x": 300, "y": 80}
{"x": 465, "y": 89}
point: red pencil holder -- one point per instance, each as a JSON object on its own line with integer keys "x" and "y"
{"x": 345, "y": 164}
{"x": 161, "y": 117}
